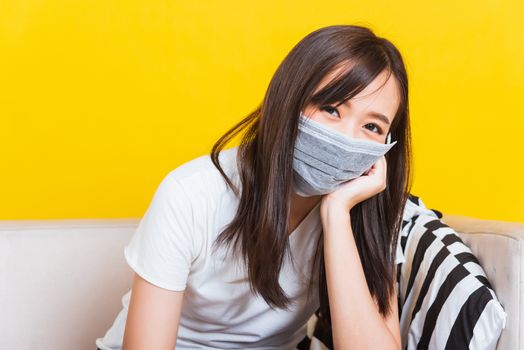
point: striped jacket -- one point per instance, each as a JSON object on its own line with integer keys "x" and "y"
{"x": 438, "y": 276}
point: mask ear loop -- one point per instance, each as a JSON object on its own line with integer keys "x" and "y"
{"x": 388, "y": 138}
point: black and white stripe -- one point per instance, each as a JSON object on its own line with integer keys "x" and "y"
{"x": 445, "y": 299}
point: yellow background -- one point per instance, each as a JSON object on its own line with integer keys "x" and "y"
{"x": 100, "y": 99}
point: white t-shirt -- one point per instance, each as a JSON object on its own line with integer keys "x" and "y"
{"x": 172, "y": 249}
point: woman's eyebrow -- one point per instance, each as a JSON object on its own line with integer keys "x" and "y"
{"x": 379, "y": 116}
{"x": 374, "y": 114}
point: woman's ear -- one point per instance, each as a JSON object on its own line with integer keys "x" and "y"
{"x": 388, "y": 137}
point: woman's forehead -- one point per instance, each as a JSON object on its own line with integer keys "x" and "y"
{"x": 382, "y": 94}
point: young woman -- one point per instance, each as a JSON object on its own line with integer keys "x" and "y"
{"x": 240, "y": 247}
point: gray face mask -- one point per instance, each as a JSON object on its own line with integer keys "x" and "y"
{"x": 324, "y": 158}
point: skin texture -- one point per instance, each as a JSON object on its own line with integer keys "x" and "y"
{"x": 153, "y": 317}
{"x": 355, "y": 318}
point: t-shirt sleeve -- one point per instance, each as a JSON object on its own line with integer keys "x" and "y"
{"x": 161, "y": 249}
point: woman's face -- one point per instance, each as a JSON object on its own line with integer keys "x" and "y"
{"x": 367, "y": 115}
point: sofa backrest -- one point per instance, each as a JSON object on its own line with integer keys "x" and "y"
{"x": 61, "y": 281}
{"x": 498, "y": 245}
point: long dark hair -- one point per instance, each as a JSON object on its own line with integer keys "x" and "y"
{"x": 259, "y": 231}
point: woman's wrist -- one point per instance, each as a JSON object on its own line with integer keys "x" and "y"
{"x": 333, "y": 206}
{"x": 335, "y": 218}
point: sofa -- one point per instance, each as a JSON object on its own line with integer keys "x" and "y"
{"x": 61, "y": 281}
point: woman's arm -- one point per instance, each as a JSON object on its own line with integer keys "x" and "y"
{"x": 355, "y": 319}
{"x": 152, "y": 318}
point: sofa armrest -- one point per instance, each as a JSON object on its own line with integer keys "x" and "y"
{"x": 498, "y": 245}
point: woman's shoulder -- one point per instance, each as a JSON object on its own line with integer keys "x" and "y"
{"x": 200, "y": 176}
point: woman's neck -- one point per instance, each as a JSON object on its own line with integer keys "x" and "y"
{"x": 299, "y": 208}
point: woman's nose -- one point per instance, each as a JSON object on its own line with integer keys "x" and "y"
{"x": 351, "y": 130}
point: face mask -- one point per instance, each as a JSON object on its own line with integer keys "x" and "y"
{"x": 324, "y": 158}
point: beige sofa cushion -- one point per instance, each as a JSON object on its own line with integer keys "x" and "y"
{"x": 61, "y": 281}
{"x": 498, "y": 246}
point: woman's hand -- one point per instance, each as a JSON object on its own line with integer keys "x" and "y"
{"x": 361, "y": 188}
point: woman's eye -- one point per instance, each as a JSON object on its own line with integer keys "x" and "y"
{"x": 374, "y": 128}
{"x": 330, "y": 109}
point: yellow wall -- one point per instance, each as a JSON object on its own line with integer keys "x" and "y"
{"x": 100, "y": 99}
